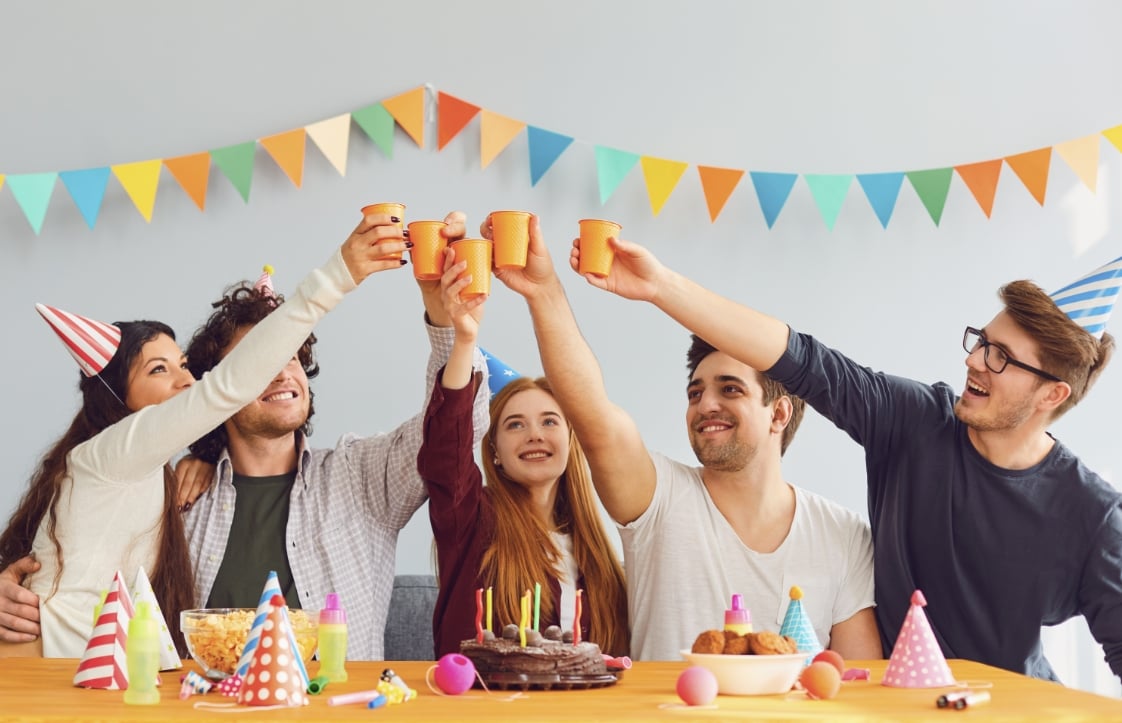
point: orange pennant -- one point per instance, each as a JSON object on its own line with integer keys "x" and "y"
{"x": 1082, "y": 154}
{"x": 718, "y": 184}
{"x": 495, "y": 133}
{"x": 661, "y": 176}
{"x": 452, "y": 114}
{"x": 1114, "y": 135}
{"x": 287, "y": 149}
{"x": 1032, "y": 169}
{"x": 981, "y": 179}
{"x": 408, "y": 109}
{"x": 193, "y": 173}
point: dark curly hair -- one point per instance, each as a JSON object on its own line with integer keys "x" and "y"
{"x": 240, "y": 306}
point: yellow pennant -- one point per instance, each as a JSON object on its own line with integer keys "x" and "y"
{"x": 140, "y": 181}
{"x": 661, "y": 176}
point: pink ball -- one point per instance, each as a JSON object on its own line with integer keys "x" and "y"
{"x": 697, "y": 686}
{"x": 454, "y": 674}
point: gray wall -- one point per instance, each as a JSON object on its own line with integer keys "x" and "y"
{"x": 799, "y": 86}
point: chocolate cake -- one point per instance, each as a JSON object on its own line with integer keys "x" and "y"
{"x": 543, "y": 655}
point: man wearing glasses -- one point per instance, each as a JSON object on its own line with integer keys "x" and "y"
{"x": 971, "y": 500}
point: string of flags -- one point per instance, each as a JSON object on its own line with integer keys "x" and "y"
{"x": 141, "y": 179}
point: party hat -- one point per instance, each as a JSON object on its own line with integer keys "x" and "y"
{"x": 1089, "y": 301}
{"x": 142, "y": 592}
{"x": 498, "y": 373}
{"x": 265, "y": 281}
{"x": 272, "y": 588}
{"x": 91, "y": 343}
{"x": 917, "y": 661}
{"x": 796, "y": 624}
{"x": 103, "y": 663}
{"x": 274, "y": 676}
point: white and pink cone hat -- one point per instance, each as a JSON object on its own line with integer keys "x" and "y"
{"x": 91, "y": 343}
{"x": 917, "y": 660}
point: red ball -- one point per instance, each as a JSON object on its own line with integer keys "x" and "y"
{"x": 697, "y": 686}
{"x": 832, "y": 657}
{"x": 821, "y": 680}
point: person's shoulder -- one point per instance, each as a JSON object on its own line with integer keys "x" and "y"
{"x": 827, "y": 510}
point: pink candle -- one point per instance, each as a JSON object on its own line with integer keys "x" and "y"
{"x": 576, "y": 620}
{"x": 479, "y": 616}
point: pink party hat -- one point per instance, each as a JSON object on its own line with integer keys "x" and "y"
{"x": 91, "y": 343}
{"x": 917, "y": 661}
{"x": 265, "y": 281}
{"x": 274, "y": 676}
{"x": 1090, "y": 300}
{"x": 272, "y": 588}
{"x": 103, "y": 664}
{"x": 142, "y": 592}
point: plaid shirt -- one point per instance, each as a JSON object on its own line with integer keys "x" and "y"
{"x": 347, "y": 506}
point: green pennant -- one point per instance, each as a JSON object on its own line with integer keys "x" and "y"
{"x": 612, "y": 166}
{"x": 377, "y": 123}
{"x": 236, "y": 163}
{"x": 932, "y": 186}
{"x": 829, "y": 192}
{"x": 33, "y": 194}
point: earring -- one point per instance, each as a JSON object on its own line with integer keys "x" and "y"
{"x": 496, "y": 461}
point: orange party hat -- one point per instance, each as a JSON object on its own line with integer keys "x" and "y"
{"x": 917, "y": 661}
{"x": 103, "y": 664}
{"x": 274, "y": 674}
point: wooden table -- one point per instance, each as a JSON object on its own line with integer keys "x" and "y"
{"x": 40, "y": 689}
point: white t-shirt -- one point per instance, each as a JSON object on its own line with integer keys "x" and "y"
{"x": 568, "y": 580}
{"x": 684, "y": 561}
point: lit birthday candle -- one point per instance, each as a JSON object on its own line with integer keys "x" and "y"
{"x": 479, "y": 616}
{"x": 537, "y": 605}
{"x": 489, "y": 610}
{"x": 576, "y": 619}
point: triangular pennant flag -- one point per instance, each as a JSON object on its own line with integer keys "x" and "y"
{"x": 377, "y": 123}
{"x": 1032, "y": 169}
{"x": 772, "y": 190}
{"x": 273, "y": 676}
{"x": 332, "y": 137}
{"x": 33, "y": 194}
{"x": 452, "y": 114}
{"x": 1090, "y": 300}
{"x": 1082, "y": 154}
{"x": 87, "y": 188}
{"x": 1114, "y": 135}
{"x": 287, "y": 149}
{"x": 272, "y": 587}
{"x": 408, "y": 109}
{"x": 718, "y": 184}
{"x": 917, "y": 660}
{"x": 797, "y": 626}
{"x": 882, "y": 190}
{"x": 498, "y": 373}
{"x": 611, "y": 168}
{"x": 545, "y": 148}
{"x": 829, "y": 192}
{"x": 140, "y": 180}
{"x": 92, "y": 343}
{"x": 103, "y": 663}
{"x": 236, "y": 163}
{"x": 981, "y": 179}
{"x": 932, "y": 186}
{"x": 661, "y": 176}
{"x": 495, "y": 134}
{"x": 192, "y": 172}
{"x": 142, "y": 593}
{"x": 1, "y": 180}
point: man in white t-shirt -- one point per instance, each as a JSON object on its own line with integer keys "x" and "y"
{"x": 693, "y": 536}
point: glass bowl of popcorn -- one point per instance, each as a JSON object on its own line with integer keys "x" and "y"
{"x": 216, "y": 636}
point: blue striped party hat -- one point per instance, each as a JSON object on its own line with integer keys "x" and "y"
{"x": 797, "y": 625}
{"x": 498, "y": 373}
{"x": 1089, "y": 301}
{"x": 272, "y": 587}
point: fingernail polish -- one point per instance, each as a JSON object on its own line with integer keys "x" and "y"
{"x": 403, "y": 262}
{"x": 408, "y": 244}
{"x": 395, "y": 219}
{"x": 405, "y": 233}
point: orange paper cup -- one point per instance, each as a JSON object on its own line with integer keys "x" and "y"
{"x": 428, "y": 249}
{"x": 394, "y": 209}
{"x": 511, "y": 232}
{"x": 477, "y": 253}
{"x": 596, "y": 255}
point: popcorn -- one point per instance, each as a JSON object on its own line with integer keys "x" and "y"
{"x": 216, "y": 639}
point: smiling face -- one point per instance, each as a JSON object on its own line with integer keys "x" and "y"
{"x": 280, "y": 410}
{"x": 158, "y": 373}
{"x": 531, "y": 440}
{"x": 728, "y": 422}
{"x": 999, "y": 402}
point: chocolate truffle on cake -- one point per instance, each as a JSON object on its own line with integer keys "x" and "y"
{"x": 543, "y": 654}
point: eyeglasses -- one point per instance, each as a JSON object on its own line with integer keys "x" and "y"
{"x": 995, "y": 357}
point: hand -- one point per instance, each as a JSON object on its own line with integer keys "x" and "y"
{"x": 19, "y": 607}
{"x": 539, "y": 271}
{"x": 364, "y": 251}
{"x": 464, "y": 315}
{"x": 193, "y": 477}
{"x": 455, "y": 228}
{"x": 636, "y": 273}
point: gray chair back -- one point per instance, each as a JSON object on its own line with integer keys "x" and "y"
{"x": 409, "y": 623}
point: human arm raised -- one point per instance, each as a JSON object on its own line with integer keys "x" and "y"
{"x": 453, "y": 230}
{"x": 622, "y": 470}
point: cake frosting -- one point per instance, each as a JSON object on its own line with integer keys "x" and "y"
{"x": 544, "y": 654}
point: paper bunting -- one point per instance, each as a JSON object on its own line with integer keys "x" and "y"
{"x": 377, "y": 123}
{"x": 142, "y": 593}
{"x": 236, "y": 163}
{"x": 662, "y": 177}
{"x": 981, "y": 179}
{"x": 103, "y": 663}
{"x": 772, "y": 190}
{"x": 612, "y": 167}
{"x": 829, "y": 193}
{"x": 287, "y": 149}
{"x": 495, "y": 133}
{"x": 332, "y": 137}
{"x": 33, "y": 193}
{"x": 408, "y": 109}
{"x": 87, "y": 188}
{"x": 718, "y": 184}
{"x": 932, "y": 186}
{"x": 1082, "y": 154}
{"x": 1114, "y": 135}
{"x": 452, "y": 114}
{"x": 140, "y": 180}
{"x": 1032, "y": 169}
{"x": 193, "y": 174}
{"x": 545, "y": 148}
{"x": 882, "y": 190}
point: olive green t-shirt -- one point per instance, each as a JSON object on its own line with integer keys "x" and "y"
{"x": 256, "y": 544}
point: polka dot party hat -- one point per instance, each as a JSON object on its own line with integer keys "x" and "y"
{"x": 917, "y": 661}
{"x": 274, "y": 674}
